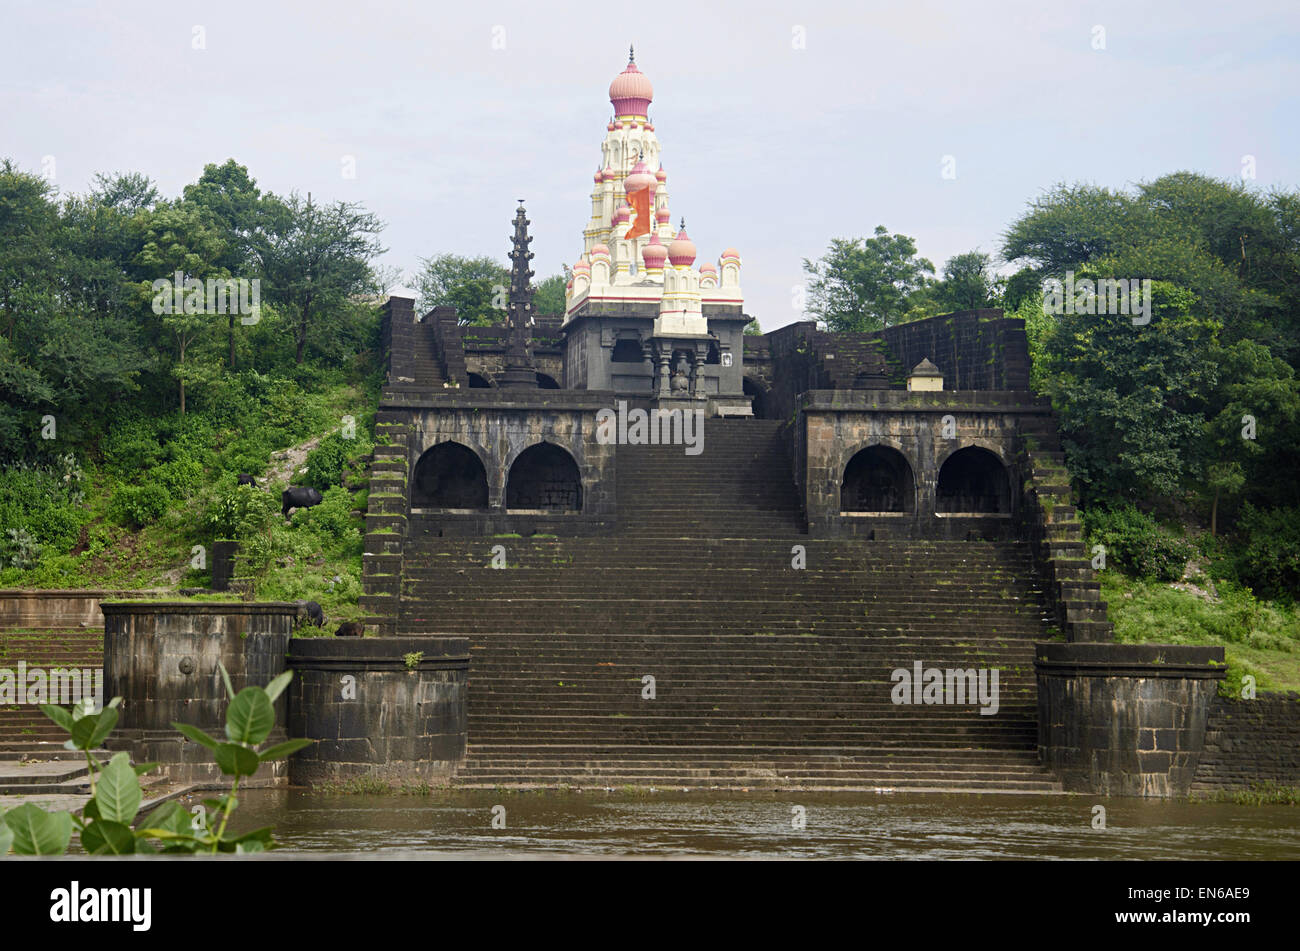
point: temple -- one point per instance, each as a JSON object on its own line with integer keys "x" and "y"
{"x": 842, "y": 506}
{"x": 640, "y": 318}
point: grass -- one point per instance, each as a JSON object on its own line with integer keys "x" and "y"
{"x": 1261, "y": 638}
{"x": 1258, "y": 794}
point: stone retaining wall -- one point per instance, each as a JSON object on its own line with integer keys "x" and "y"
{"x": 1250, "y": 742}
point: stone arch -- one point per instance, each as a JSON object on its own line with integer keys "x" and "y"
{"x": 546, "y": 382}
{"x": 546, "y": 477}
{"x": 478, "y": 381}
{"x": 973, "y": 479}
{"x": 757, "y": 395}
{"x": 878, "y": 478}
{"x": 450, "y": 475}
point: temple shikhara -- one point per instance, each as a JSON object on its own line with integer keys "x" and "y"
{"x": 676, "y": 327}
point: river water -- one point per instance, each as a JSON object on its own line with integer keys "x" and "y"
{"x": 763, "y": 825}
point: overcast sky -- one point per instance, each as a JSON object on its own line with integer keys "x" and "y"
{"x": 451, "y": 112}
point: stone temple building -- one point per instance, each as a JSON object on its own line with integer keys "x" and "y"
{"x": 685, "y": 555}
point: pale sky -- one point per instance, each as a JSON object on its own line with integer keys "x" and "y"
{"x": 769, "y": 147}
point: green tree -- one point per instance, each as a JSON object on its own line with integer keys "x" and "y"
{"x": 231, "y": 205}
{"x": 968, "y": 283}
{"x": 313, "y": 258}
{"x": 865, "y": 284}
{"x": 179, "y": 242}
{"x": 549, "y": 296}
{"x": 476, "y": 287}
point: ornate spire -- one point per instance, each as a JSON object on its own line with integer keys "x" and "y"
{"x": 631, "y": 54}
{"x": 519, "y": 370}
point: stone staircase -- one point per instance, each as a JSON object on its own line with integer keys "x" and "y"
{"x": 765, "y": 675}
{"x": 26, "y": 732}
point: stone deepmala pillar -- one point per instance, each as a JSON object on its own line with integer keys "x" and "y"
{"x": 162, "y": 657}
{"x": 1125, "y": 719}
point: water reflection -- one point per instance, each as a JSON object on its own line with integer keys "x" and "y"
{"x": 759, "y": 824}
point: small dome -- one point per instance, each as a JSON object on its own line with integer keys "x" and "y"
{"x": 663, "y": 215}
{"x": 623, "y": 214}
{"x": 610, "y": 127}
{"x": 681, "y": 250}
{"x": 631, "y": 93}
{"x": 654, "y": 253}
{"x": 582, "y": 266}
{"x": 661, "y": 175}
{"x": 608, "y": 174}
{"x": 639, "y": 178}
{"x": 731, "y": 253}
{"x": 708, "y": 268}
{"x": 599, "y": 176}
{"x": 599, "y": 249}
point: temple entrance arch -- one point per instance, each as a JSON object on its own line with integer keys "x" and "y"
{"x": 450, "y": 476}
{"x": 878, "y": 479}
{"x": 973, "y": 480}
{"x": 544, "y": 478}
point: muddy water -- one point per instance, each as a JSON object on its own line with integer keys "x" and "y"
{"x": 761, "y": 825}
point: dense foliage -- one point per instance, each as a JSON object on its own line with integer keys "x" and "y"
{"x": 126, "y": 415}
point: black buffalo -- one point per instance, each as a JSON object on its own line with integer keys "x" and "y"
{"x": 298, "y": 497}
{"x": 350, "y": 629}
{"x": 246, "y": 479}
{"x": 309, "y": 612}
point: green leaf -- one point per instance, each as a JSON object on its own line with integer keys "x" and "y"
{"x": 225, "y": 678}
{"x": 118, "y": 791}
{"x": 243, "y": 848}
{"x": 92, "y": 810}
{"x": 106, "y": 837}
{"x": 236, "y": 760}
{"x": 60, "y": 716}
{"x": 197, "y": 735}
{"x": 6, "y": 837}
{"x": 82, "y": 731}
{"x": 250, "y": 717}
{"x": 142, "y": 768}
{"x": 103, "y": 726}
{"x": 37, "y": 832}
{"x": 170, "y": 816}
{"x": 281, "y": 750}
{"x": 276, "y": 686}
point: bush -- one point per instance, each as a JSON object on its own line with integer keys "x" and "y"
{"x": 332, "y": 517}
{"x": 131, "y": 446}
{"x": 180, "y": 477}
{"x": 43, "y": 502}
{"x": 1268, "y": 559}
{"x": 139, "y": 505}
{"x": 1138, "y": 543}
{"x": 240, "y": 511}
{"x": 325, "y": 463}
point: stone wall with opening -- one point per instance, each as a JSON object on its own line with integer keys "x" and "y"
{"x": 898, "y": 464}
{"x": 528, "y": 463}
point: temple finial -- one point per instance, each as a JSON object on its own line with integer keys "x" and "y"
{"x": 631, "y": 54}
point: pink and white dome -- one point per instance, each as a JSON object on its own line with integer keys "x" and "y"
{"x": 681, "y": 250}
{"x": 639, "y": 178}
{"x": 654, "y": 253}
{"x": 631, "y": 93}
